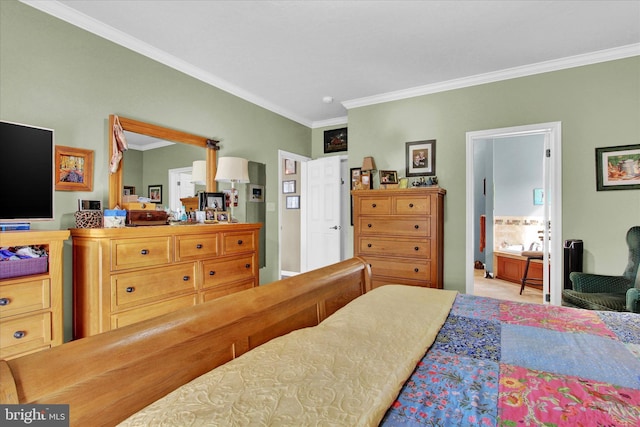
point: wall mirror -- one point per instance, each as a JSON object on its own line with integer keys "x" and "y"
{"x": 116, "y": 182}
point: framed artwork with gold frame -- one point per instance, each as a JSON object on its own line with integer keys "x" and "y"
{"x": 73, "y": 169}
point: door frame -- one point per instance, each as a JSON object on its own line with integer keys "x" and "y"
{"x": 553, "y": 255}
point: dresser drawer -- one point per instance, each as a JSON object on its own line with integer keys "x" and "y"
{"x": 217, "y": 272}
{"x": 131, "y": 289}
{"x": 420, "y": 248}
{"x": 23, "y": 297}
{"x": 380, "y": 205}
{"x": 222, "y": 290}
{"x": 133, "y": 253}
{"x": 407, "y": 269}
{"x": 418, "y": 227}
{"x": 233, "y": 243}
{"x": 152, "y": 310}
{"x": 196, "y": 247}
{"x": 407, "y": 205}
{"x": 24, "y": 334}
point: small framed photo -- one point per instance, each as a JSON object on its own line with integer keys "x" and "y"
{"x": 288, "y": 187}
{"x": 289, "y": 167}
{"x": 155, "y": 193}
{"x": 421, "y": 158}
{"x": 129, "y": 190}
{"x": 214, "y": 201}
{"x": 618, "y": 168}
{"x": 256, "y": 193}
{"x": 356, "y": 178}
{"x": 335, "y": 140}
{"x": 293, "y": 202}
{"x": 73, "y": 169}
{"x": 222, "y": 217}
{"x": 388, "y": 177}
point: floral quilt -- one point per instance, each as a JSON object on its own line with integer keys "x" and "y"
{"x": 500, "y": 363}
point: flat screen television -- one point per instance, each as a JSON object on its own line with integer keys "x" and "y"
{"x": 27, "y": 183}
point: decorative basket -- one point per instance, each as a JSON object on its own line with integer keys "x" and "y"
{"x": 23, "y": 267}
{"x": 88, "y": 219}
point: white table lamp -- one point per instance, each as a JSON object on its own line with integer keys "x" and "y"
{"x": 232, "y": 169}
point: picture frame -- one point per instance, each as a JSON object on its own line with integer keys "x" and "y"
{"x": 335, "y": 140}
{"x": 288, "y": 187}
{"x": 538, "y": 197}
{"x": 421, "y": 158}
{"x": 210, "y": 215}
{"x": 618, "y": 167}
{"x": 388, "y": 177}
{"x": 256, "y": 193}
{"x": 73, "y": 169}
{"x": 214, "y": 201}
{"x": 222, "y": 217}
{"x": 289, "y": 167}
{"x": 154, "y": 192}
{"x": 293, "y": 202}
{"x": 356, "y": 182}
{"x": 129, "y": 190}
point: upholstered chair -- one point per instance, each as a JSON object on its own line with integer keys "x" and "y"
{"x": 612, "y": 293}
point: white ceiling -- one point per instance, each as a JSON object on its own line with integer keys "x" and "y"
{"x": 287, "y": 55}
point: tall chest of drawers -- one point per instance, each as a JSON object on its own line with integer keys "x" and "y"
{"x": 31, "y": 316}
{"x": 399, "y": 233}
{"x": 126, "y": 275}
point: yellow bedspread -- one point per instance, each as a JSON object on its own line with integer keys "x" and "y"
{"x": 346, "y": 371}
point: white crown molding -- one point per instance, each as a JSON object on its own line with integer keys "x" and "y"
{"x": 330, "y": 122}
{"x": 510, "y": 73}
{"x": 72, "y": 16}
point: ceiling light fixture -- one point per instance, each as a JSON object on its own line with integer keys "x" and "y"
{"x": 327, "y": 99}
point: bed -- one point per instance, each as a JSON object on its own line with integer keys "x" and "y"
{"x": 306, "y": 351}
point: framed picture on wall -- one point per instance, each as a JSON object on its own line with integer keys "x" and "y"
{"x": 74, "y": 169}
{"x": 288, "y": 187}
{"x": 293, "y": 202}
{"x": 335, "y": 140}
{"x": 155, "y": 193}
{"x": 421, "y": 158}
{"x": 289, "y": 167}
{"x": 618, "y": 168}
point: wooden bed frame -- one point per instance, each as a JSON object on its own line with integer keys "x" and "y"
{"x": 107, "y": 377}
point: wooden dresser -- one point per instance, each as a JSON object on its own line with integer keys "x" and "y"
{"x": 400, "y": 234}
{"x": 31, "y": 306}
{"x": 126, "y": 275}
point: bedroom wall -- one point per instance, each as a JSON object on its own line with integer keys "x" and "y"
{"x": 55, "y": 75}
{"x": 598, "y": 105}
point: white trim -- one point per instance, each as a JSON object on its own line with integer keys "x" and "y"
{"x": 330, "y": 122}
{"x": 554, "y": 131}
{"x": 509, "y": 73}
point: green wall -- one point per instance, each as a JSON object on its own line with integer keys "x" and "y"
{"x": 55, "y": 75}
{"x": 598, "y": 105}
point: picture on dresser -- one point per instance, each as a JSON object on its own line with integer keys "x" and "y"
{"x": 213, "y": 201}
{"x": 74, "y": 169}
{"x": 421, "y": 158}
{"x": 155, "y": 193}
{"x": 388, "y": 177}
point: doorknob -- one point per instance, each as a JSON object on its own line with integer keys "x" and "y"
{"x": 335, "y": 227}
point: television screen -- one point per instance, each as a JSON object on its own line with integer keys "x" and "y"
{"x": 26, "y": 172}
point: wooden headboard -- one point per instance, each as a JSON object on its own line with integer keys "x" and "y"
{"x": 107, "y": 377}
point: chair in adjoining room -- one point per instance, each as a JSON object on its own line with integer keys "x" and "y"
{"x": 611, "y": 293}
{"x": 526, "y": 280}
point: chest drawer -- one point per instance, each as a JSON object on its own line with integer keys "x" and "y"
{"x": 152, "y": 310}
{"x": 217, "y": 272}
{"x": 132, "y": 253}
{"x": 233, "y": 243}
{"x": 408, "y": 269}
{"x": 222, "y": 290}
{"x": 380, "y": 205}
{"x": 130, "y": 289}
{"x": 24, "y": 334}
{"x": 407, "y": 205}
{"x": 196, "y": 247}
{"x": 414, "y": 227}
{"x": 23, "y": 297}
{"x": 398, "y": 247}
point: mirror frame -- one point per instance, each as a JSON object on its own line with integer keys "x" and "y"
{"x": 131, "y": 125}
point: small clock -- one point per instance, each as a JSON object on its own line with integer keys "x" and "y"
{"x": 89, "y": 205}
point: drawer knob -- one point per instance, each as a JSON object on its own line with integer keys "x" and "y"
{"x": 373, "y": 205}
{"x": 199, "y": 246}
{"x": 247, "y": 265}
{"x": 369, "y": 225}
{"x": 240, "y": 241}
{"x": 19, "y": 334}
{"x": 212, "y": 273}
{"x": 410, "y": 205}
{"x": 368, "y": 245}
{"x": 130, "y": 289}
{"x": 416, "y": 269}
{"x": 417, "y": 248}
{"x": 4, "y": 301}
{"x": 144, "y": 252}
{"x": 416, "y": 226}
{"x": 185, "y": 278}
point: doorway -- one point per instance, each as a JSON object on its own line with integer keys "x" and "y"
{"x": 552, "y": 188}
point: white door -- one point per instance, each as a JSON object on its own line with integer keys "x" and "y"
{"x": 324, "y": 187}
{"x": 180, "y": 186}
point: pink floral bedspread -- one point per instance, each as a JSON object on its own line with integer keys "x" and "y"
{"x": 499, "y": 363}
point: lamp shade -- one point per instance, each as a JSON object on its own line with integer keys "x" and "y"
{"x": 199, "y": 172}
{"x": 368, "y": 164}
{"x": 232, "y": 169}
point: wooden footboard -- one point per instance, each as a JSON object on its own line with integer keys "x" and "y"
{"x": 107, "y": 377}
